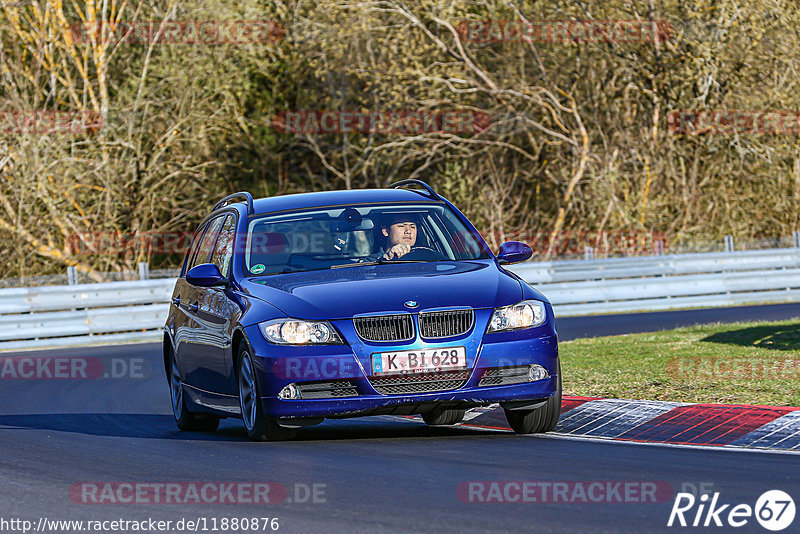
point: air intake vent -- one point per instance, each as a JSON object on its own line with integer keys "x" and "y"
{"x": 504, "y": 376}
{"x": 385, "y": 327}
{"x": 434, "y": 325}
{"x": 419, "y": 383}
{"x": 327, "y": 390}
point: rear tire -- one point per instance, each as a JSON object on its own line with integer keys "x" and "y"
{"x": 539, "y": 420}
{"x": 259, "y": 427}
{"x": 443, "y": 417}
{"x": 186, "y": 420}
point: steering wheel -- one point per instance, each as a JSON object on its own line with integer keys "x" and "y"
{"x": 423, "y": 254}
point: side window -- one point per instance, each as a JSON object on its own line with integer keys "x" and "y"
{"x": 223, "y": 251}
{"x": 463, "y": 241}
{"x": 207, "y": 244}
{"x": 196, "y": 239}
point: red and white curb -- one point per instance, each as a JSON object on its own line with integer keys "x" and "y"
{"x": 674, "y": 423}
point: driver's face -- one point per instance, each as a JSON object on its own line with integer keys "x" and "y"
{"x": 401, "y": 233}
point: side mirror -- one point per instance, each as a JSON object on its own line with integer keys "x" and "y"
{"x": 513, "y": 252}
{"x": 205, "y": 275}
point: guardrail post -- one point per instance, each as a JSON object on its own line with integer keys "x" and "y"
{"x": 728, "y": 243}
{"x": 588, "y": 253}
{"x": 796, "y": 237}
{"x": 144, "y": 270}
{"x": 72, "y": 275}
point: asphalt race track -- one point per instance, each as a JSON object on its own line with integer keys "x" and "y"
{"x": 66, "y": 441}
{"x": 631, "y": 323}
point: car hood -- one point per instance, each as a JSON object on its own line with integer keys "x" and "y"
{"x": 343, "y": 293}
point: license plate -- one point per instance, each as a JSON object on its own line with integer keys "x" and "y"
{"x": 419, "y": 361}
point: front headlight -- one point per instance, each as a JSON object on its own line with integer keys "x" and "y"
{"x": 298, "y": 332}
{"x": 525, "y": 314}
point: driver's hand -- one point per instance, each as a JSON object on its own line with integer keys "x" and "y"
{"x": 397, "y": 251}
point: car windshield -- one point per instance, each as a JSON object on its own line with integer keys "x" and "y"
{"x": 352, "y": 236}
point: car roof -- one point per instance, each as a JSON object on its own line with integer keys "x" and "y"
{"x": 338, "y": 198}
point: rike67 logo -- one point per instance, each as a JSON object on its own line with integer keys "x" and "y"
{"x": 774, "y": 510}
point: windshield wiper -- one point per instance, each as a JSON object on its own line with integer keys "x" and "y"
{"x": 375, "y": 262}
{"x": 354, "y": 264}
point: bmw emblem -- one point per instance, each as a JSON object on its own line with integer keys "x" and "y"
{"x": 411, "y": 304}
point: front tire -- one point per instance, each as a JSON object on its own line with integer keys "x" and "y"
{"x": 443, "y": 417}
{"x": 259, "y": 427}
{"x": 539, "y": 420}
{"x": 186, "y": 420}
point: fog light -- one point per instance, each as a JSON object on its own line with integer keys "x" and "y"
{"x": 537, "y": 372}
{"x": 290, "y": 392}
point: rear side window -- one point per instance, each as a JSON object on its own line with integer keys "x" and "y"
{"x": 223, "y": 251}
{"x": 196, "y": 239}
{"x": 207, "y": 244}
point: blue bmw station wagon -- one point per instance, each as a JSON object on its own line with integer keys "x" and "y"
{"x": 297, "y": 308}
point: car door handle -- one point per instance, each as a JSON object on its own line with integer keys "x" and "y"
{"x": 176, "y": 301}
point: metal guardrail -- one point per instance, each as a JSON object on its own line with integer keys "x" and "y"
{"x": 667, "y": 282}
{"x": 708, "y": 262}
{"x": 83, "y": 313}
{"x": 135, "y": 311}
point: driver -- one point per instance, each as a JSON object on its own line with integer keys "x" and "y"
{"x": 401, "y": 235}
{"x": 399, "y": 232}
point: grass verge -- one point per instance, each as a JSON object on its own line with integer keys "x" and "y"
{"x": 741, "y": 363}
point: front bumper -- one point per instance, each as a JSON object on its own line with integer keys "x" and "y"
{"x": 278, "y": 366}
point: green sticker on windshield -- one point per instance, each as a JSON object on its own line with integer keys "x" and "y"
{"x": 258, "y": 268}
